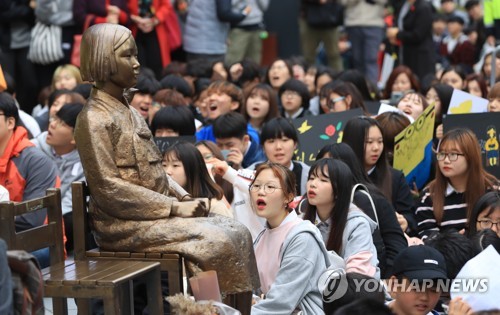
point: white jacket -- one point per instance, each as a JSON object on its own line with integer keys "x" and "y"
{"x": 241, "y": 204}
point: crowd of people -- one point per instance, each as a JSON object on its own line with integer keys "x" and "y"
{"x": 350, "y": 209}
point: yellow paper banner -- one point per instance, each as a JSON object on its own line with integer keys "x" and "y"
{"x": 409, "y": 145}
{"x": 3, "y": 83}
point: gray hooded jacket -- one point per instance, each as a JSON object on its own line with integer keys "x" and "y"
{"x": 69, "y": 166}
{"x": 304, "y": 259}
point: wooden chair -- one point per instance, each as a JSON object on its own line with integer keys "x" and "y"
{"x": 170, "y": 263}
{"x": 79, "y": 279}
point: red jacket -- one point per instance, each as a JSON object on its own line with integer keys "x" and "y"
{"x": 26, "y": 173}
{"x": 161, "y": 9}
{"x": 10, "y": 177}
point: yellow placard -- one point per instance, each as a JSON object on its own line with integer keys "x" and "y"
{"x": 3, "y": 83}
{"x": 409, "y": 145}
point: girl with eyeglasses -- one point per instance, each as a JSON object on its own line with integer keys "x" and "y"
{"x": 346, "y": 230}
{"x": 485, "y": 214}
{"x": 290, "y": 253}
{"x": 235, "y": 184}
{"x": 342, "y": 96}
{"x": 460, "y": 181}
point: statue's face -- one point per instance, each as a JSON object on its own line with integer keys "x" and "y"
{"x": 127, "y": 65}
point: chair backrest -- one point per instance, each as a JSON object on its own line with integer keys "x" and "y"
{"x": 80, "y": 194}
{"x": 48, "y": 235}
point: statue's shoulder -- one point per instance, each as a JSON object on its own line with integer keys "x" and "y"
{"x": 95, "y": 113}
{"x": 93, "y": 120}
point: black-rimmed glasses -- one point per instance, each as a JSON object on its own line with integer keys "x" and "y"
{"x": 440, "y": 156}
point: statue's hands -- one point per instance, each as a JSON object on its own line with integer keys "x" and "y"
{"x": 192, "y": 208}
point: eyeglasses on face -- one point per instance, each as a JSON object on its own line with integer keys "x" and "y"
{"x": 333, "y": 101}
{"x": 268, "y": 188}
{"x": 290, "y": 94}
{"x": 440, "y": 156}
{"x": 487, "y": 223}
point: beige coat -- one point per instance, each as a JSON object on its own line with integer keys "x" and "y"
{"x": 129, "y": 205}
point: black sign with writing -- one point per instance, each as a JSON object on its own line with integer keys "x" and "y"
{"x": 486, "y": 126}
{"x": 317, "y": 131}
{"x": 163, "y": 143}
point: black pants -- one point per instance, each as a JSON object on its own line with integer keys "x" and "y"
{"x": 15, "y": 62}
{"x": 68, "y": 230}
{"x": 149, "y": 52}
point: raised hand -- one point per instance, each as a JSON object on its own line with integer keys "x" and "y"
{"x": 459, "y": 307}
{"x": 219, "y": 167}
{"x": 402, "y": 221}
{"x": 235, "y": 158}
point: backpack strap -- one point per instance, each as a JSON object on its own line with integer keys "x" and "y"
{"x": 364, "y": 190}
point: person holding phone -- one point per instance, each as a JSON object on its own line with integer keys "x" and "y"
{"x": 237, "y": 147}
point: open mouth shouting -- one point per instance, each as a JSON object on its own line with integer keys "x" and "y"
{"x": 261, "y": 204}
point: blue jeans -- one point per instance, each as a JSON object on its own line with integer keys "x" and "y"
{"x": 43, "y": 257}
{"x": 365, "y": 42}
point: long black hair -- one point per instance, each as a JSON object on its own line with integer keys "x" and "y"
{"x": 344, "y": 152}
{"x": 199, "y": 183}
{"x": 355, "y": 134}
{"x": 342, "y": 180}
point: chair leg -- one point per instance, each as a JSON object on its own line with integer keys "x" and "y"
{"x": 155, "y": 298}
{"x": 113, "y": 302}
{"x": 240, "y": 301}
{"x": 174, "y": 284}
{"x": 83, "y": 306}
{"x": 126, "y": 295}
{"x": 60, "y": 306}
